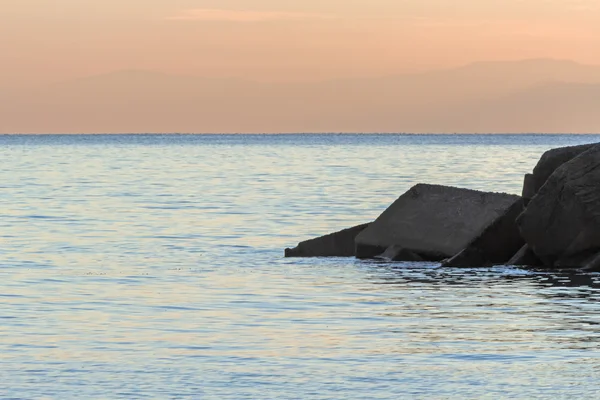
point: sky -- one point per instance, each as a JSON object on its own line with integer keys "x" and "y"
{"x": 44, "y": 41}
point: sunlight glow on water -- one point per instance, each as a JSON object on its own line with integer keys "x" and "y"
{"x": 151, "y": 267}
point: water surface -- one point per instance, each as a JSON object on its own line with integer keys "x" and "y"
{"x": 150, "y": 266}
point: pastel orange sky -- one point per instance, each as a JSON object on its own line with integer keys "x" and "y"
{"x": 43, "y": 41}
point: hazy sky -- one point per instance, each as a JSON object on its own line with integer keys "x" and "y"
{"x": 48, "y": 40}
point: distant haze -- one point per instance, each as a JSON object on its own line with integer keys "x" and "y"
{"x": 94, "y": 66}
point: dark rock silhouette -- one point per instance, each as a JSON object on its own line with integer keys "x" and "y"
{"x": 555, "y": 224}
{"x": 433, "y": 221}
{"x": 550, "y": 162}
{"x": 496, "y": 244}
{"x": 562, "y": 222}
{"x": 337, "y": 244}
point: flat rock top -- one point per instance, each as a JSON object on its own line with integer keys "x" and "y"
{"x": 434, "y": 218}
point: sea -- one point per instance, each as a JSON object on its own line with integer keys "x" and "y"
{"x": 151, "y": 267}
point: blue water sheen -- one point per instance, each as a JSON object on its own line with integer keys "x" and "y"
{"x": 150, "y": 266}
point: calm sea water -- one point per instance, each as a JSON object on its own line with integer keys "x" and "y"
{"x": 152, "y": 267}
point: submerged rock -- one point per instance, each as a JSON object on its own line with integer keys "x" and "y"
{"x": 496, "y": 244}
{"x": 399, "y": 253}
{"x": 562, "y": 222}
{"x": 433, "y": 221}
{"x": 337, "y": 244}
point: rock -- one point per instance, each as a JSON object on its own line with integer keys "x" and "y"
{"x": 433, "y": 221}
{"x": 529, "y": 187}
{"x": 550, "y": 162}
{"x": 338, "y": 244}
{"x": 524, "y": 257}
{"x": 399, "y": 253}
{"x": 496, "y": 244}
{"x": 593, "y": 264}
{"x": 578, "y": 260}
{"x": 562, "y": 222}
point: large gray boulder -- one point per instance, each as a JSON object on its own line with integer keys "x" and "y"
{"x": 435, "y": 222}
{"x": 548, "y": 163}
{"x": 337, "y": 244}
{"x": 498, "y": 242}
{"x": 562, "y": 222}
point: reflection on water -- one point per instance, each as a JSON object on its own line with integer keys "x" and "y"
{"x": 152, "y": 266}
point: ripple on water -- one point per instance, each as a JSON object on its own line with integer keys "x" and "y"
{"x": 151, "y": 267}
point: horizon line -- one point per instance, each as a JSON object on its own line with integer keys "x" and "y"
{"x": 294, "y": 133}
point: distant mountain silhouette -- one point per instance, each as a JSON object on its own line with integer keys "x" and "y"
{"x": 519, "y": 96}
{"x": 549, "y": 108}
